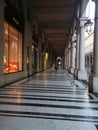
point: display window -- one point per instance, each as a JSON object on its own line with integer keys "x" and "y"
{"x": 12, "y": 49}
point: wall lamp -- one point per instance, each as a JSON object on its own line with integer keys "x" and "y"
{"x": 88, "y": 26}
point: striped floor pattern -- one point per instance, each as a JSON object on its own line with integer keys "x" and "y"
{"x": 51, "y": 100}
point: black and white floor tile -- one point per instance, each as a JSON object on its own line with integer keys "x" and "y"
{"x": 52, "y": 100}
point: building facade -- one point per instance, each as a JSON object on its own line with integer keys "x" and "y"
{"x": 23, "y": 50}
{"x": 89, "y": 41}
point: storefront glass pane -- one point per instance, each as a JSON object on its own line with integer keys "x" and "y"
{"x": 14, "y": 62}
{"x": 5, "y": 48}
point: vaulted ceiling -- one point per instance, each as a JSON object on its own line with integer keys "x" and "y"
{"x": 56, "y": 18}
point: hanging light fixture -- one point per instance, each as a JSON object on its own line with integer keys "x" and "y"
{"x": 88, "y": 24}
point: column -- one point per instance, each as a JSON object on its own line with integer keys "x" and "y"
{"x": 1, "y": 41}
{"x": 65, "y": 59}
{"x": 77, "y": 55}
{"x": 93, "y": 79}
{"x": 68, "y": 57}
{"x": 73, "y": 51}
{"x": 82, "y": 74}
{"x": 38, "y": 62}
{"x": 68, "y": 64}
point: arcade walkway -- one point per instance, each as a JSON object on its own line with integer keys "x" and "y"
{"x": 48, "y": 101}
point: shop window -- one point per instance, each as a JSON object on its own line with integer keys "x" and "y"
{"x": 12, "y": 49}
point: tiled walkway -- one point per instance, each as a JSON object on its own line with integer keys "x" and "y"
{"x": 48, "y": 101}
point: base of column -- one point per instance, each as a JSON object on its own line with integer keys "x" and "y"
{"x": 72, "y": 70}
{"x": 82, "y": 75}
{"x": 69, "y": 69}
{"x": 93, "y": 84}
{"x": 76, "y": 73}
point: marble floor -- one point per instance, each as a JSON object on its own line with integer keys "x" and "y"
{"x": 51, "y": 100}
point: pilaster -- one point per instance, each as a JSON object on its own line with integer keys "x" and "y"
{"x": 77, "y": 56}
{"x": 82, "y": 74}
{"x": 73, "y": 51}
{"x": 69, "y": 57}
{"x": 65, "y": 59}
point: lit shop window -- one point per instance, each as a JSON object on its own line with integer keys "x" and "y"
{"x": 12, "y": 49}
